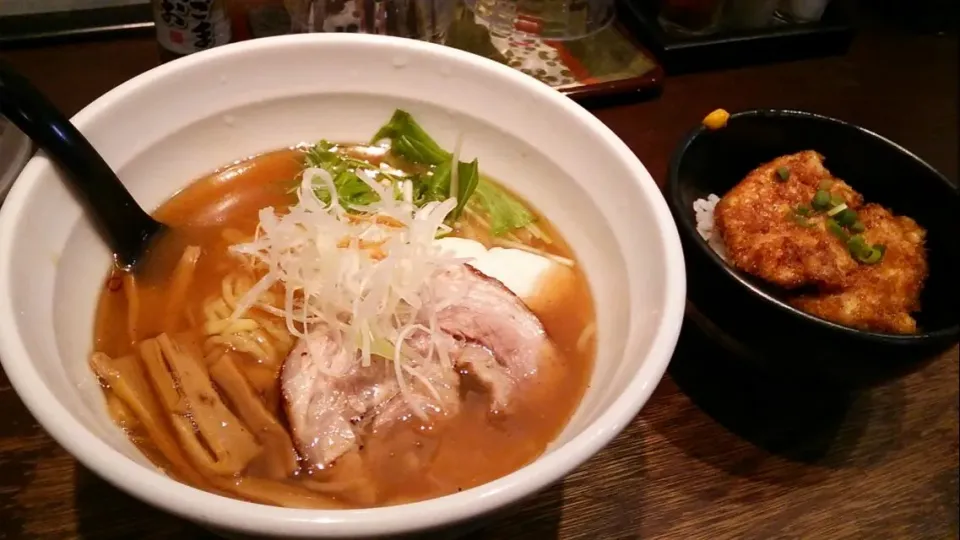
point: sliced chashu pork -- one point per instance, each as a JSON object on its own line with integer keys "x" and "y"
{"x": 329, "y": 397}
{"x": 498, "y": 339}
{"x": 486, "y": 330}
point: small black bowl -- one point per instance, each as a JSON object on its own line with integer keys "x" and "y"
{"x": 746, "y": 316}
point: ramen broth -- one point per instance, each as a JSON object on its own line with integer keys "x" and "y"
{"x": 413, "y": 459}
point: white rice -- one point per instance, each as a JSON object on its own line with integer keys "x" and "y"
{"x": 703, "y": 209}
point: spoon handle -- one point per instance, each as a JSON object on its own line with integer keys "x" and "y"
{"x": 124, "y": 225}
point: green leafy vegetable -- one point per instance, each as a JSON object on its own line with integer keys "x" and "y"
{"x": 468, "y": 178}
{"x": 326, "y": 155}
{"x": 505, "y": 211}
{"x": 432, "y": 186}
{"x": 431, "y": 182}
{"x": 409, "y": 141}
{"x": 436, "y": 186}
{"x": 323, "y": 155}
{"x": 351, "y": 190}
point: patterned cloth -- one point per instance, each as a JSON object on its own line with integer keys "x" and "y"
{"x": 536, "y": 58}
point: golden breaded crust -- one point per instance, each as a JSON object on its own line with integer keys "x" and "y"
{"x": 879, "y": 297}
{"x": 763, "y": 236}
{"x": 757, "y": 222}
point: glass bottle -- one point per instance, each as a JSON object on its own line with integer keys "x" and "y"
{"x": 419, "y": 19}
{"x": 748, "y": 14}
{"x": 544, "y": 19}
{"x": 188, "y": 26}
{"x": 802, "y": 11}
{"x": 690, "y": 17}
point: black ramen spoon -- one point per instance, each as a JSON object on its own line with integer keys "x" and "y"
{"x": 128, "y": 229}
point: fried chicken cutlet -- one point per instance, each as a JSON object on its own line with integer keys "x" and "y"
{"x": 879, "y": 297}
{"x": 793, "y": 224}
{"x": 763, "y": 237}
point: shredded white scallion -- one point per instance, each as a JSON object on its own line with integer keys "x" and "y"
{"x": 837, "y": 209}
{"x": 363, "y": 277}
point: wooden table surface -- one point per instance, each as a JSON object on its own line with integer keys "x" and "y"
{"x": 715, "y": 453}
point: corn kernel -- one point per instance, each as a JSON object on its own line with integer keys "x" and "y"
{"x": 717, "y": 119}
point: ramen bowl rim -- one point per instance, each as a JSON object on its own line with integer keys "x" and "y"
{"x": 235, "y": 515}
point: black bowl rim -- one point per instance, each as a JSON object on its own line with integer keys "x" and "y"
{"x": 687, "y": 223}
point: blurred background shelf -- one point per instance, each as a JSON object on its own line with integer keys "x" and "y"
{"x": 777, "y": 40}
{"x": 604, "y": 65}
{"x": 35, "y": 22}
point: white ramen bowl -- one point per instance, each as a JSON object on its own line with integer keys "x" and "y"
{"x": 169, "y": 126}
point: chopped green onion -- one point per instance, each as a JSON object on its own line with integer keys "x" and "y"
{"x": 837, "y": 230}
{"x": 821, "y": 201}
{"x": 802, "y": 221}
{"x": 872, "y": 258}
{"x": 836, "y": 209}
{"x": 836, "y": 200}
{"x": 861, "y": 251}
{"x": 803, "y": 210}
{"x": 857, "y": 227}
{"x": 783, "y": 173}
{"x": 847, "y": 217}
{"x": 857, "y": 245}
{"x": 826, "y": 184}
{"x": 871, "y": 255}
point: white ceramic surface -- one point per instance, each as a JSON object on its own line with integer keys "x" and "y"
{"x": 169, "y": 126}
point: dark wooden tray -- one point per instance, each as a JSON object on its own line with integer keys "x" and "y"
{"x": 778, "y": 42}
